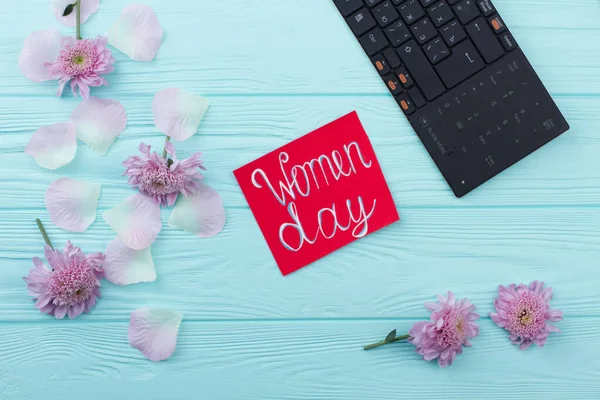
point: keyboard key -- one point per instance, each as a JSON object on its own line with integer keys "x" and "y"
{"x": 404, "y": 77}
{"x": 411, "y": 11}
{"x": 397, "y": 2}
{"x": 361, "y": 22}
{"x": 385, "y": 13}
{"x": 392, "y": 83}
{"x": 347, "y": 7}
{"x": 416, "y": 97}
{"x": 466, "y": 11}
{"x": 426, "y": 3}
{"x": 453, "y": 33}
{"x": 421, "y": 71}
{"x": 440, "y": 14}
{"x": 452, "y": 2}
{"x": 423, "y": 30}
{"x": 486, "y": 7}
{"x": 463, "y": 63}
{"x": 508, "y": 41}
{"x": 497, "y": 23}
{"x": 392, "y": 58}
{"x": 372, "y": 3}
{"x": 405, "y": 104}
{"x": 398, "y": 33}
{"x": 484, "y": 40}
{"x": 380, "y": 64}
{"x": 436, "y": 50}
{"x": 373, "y": 41}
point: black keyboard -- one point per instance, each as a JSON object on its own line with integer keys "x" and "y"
{"x": 465, "y": 85}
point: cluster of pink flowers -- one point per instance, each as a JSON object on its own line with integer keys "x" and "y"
{"x": 83, "y": 62}
{"x": 524, "y": 311}
{"x": 70, "y": 286}
{"x": 162, "y": 178}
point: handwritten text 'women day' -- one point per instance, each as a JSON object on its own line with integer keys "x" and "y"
{"x": 317, "y": 172}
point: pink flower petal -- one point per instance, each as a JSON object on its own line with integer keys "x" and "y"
{"x": 72, "y": 204}
{"x": 202, "y": 213}
{"x": 177, "y": 113}
{"x": 137, "y": 33}
{"x": 136, "y": 221}
{"x": 153, "y": 331}
{"x": 53, "y": 146}
{"x": 125, "y": 266}
{"x": 39, "y": 48}
{"x": 99, "y": 122}
{"x": 88, "y": 7}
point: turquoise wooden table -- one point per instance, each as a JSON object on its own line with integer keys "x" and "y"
{"x": 274, "y": 70}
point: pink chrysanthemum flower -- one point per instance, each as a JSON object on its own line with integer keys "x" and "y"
{"x": 71, "y": 287}
{"x": 162, "y": 178}
{"x": 524, "y": 311}
{"x": 451, "y": 326}
{"x": 83, "y": 62}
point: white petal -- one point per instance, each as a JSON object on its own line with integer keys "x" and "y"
{"x": 39, "y": 48}
{"x": 125, "y": 266}
{"x": 72, "y": 204}
{"x": 202, "y": 214}
{"x": 88, "y": 7}
{"x": 136, "y": 221}
{"x": 137, "y": 33}
{"x": 153, "y": 331}
{"x": 99, "y": 122}
{"x": 53, "y": 146}
{"x": 177, "y": 113}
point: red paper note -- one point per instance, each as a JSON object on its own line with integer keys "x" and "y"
{"x": 318, "y": 193}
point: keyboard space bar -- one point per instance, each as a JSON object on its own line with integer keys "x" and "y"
{"x": 422, "y": 72}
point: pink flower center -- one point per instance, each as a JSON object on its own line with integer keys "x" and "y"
{"x": 454, "y": 329}
{"x": 159, "y": 180}
{"x": 527, "y": 316}
{"x": 73, "y": 284}
{"x": 78, "y": 59}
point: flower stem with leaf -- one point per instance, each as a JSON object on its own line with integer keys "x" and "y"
{"x": 68, "y": 10}
{"x": 390, "y": 338}
{"x": 43, "y": 232}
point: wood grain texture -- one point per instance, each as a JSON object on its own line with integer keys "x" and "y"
{"x": 299, "y": 361}
{"x": 238, "y": 130}
{"x": 395, "y": 270}
{"x": 299, "y": 46}
{"x": 274, "y": 70}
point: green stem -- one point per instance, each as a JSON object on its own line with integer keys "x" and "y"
{"x": 78, "y": 19}
{"x": 44, "y": 234}
{"x": 165, "y": 150}
{"x": 396, "y": 339}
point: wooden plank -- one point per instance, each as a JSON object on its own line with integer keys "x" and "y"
{"x": 388, "y": 274}
{"x": 320, "y": 56}
{"x": 238, "y": 130}
{"x": 301, "y": 360}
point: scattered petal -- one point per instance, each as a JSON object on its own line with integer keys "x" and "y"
{"x": 137, "y": 33}
{"x": 72, "y": 204}
{"x": 136, "y": 221}
{"x": 40, "y": 47}
{"x": 125, "y": 266}
{"x": 99, "y": 122}
{"x": 88, "y": 7}
{"x": 177, "y": 113}
{"x": 53, "y": 146}
{"x": 202, "y": 213}
{"x": 153, "y": 331}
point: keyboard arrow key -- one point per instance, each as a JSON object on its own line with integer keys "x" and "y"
{"x": 463, "y": 63}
